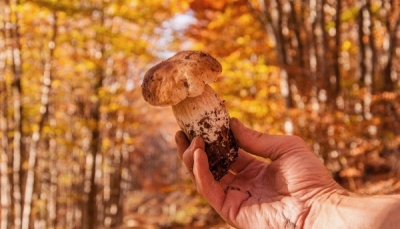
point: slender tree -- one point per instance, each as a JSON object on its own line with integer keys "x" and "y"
{"x": 5, "y": 190}
{"x": 43, "y": 119}
{"x": 12, "y": 39}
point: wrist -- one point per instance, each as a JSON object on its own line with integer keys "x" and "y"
{"x": 336, "y": 210}
{"x": 321, "y": 208}
{"x": 325, "y": 211}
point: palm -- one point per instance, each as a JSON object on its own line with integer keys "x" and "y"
{"x": 280, "y": 187}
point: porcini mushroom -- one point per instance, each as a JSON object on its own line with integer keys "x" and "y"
{"x": 182, "y": 82}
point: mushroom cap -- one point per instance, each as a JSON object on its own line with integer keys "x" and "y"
{"x": 180, "y": 76}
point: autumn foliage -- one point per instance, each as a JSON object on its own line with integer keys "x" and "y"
{"x": 77, "y": 140}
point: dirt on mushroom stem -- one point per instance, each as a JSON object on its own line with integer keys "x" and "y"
{"x": 207, "y": 117}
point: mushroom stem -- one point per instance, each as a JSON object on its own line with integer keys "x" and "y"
{"x": 206, "y": 116}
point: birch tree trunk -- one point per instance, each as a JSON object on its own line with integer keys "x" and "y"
{"x": 13, "y": 55}
{"x": 5, "y": 200}
{"x": 5, "y": 190}
{"x": 392, "y": 24}
{"x": 367, "y": 55}
{"x": 336, "y": 51}
{"x": 36, "y": 135}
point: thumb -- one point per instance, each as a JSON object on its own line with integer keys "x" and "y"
{"x": 265, "y": 145}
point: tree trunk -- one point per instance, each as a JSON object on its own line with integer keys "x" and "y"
{"x": 36, "y": 135}
{"x": 337, "y": 50}
{"x": 13, "y": 46}
{"x": 91, "y": 214}
{"x": 392, "y": 40}
{"x": 5, "y": 189}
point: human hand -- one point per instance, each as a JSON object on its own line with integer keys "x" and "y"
{"x": 261, "y": 193}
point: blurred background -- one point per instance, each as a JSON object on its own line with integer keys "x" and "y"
{"x": 80, "y": 148}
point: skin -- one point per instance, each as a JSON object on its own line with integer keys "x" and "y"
{"x": 277, "y": 182}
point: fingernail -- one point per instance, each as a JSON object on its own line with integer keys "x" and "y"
{"x": 178, "y": 137}
{"x": 195, "y": 142}
{"x": 181, "y": 136}
{"x": 235, "y": 121}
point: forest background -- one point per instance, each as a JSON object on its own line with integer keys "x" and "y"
{"x": 80, "y": 148}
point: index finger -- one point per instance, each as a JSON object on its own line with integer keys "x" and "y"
{"x": 265, "y": 145}
{"x": 182, "y": 143}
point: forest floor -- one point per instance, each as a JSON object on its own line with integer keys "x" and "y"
{"x": 182, "y": 207}
{"x": 172, "y": 209}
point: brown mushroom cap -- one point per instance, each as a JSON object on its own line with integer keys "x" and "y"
{"x": 181, "y": 76}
